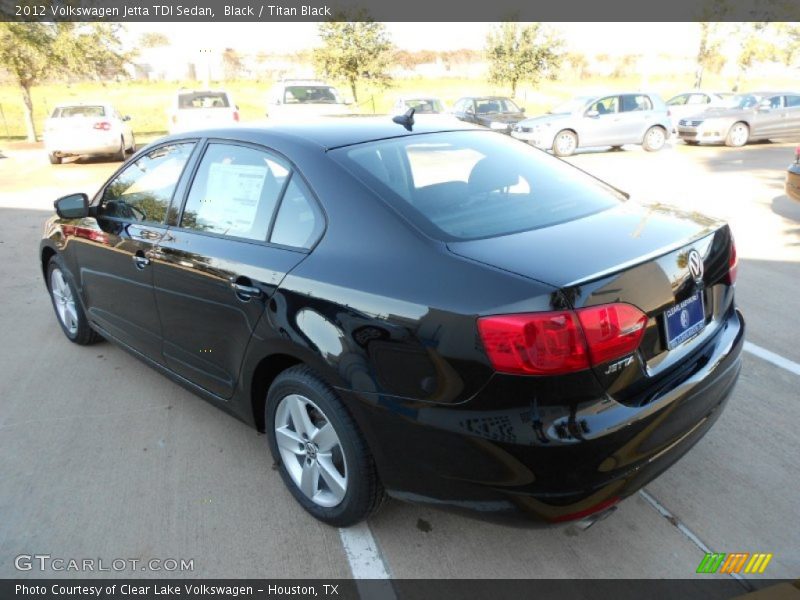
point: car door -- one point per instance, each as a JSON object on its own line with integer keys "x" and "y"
{"x": 769, "y": 116}
{"x": 115, "y": 272}
{"x": 219, "y": 266}
{"x": 792, "y": 125}
{"x": 635, "y": 117}
{"x": 599, "y": 123}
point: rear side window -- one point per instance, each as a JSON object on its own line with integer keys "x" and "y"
{"x": 792, "y": 101}
{"x": 235, "y": 191}
{"x": 299, "y": 222}
{"x": 79, "y": 111}
{"x": 203, "y": 100}
{"x": 634, "y": 102}
{"x": 143, "y": 191}
{"x": 469, "y": 185}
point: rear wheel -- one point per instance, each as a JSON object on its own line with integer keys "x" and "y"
{"x": 738, "y": 135}
{"x": 321, "y": 455}
{"x": 691, "y": 142}
{"x": 54, "y": 159}
{"x": 565, "y": 143}
{"x": 132, "y": 147}
{"x": 654, "y": 139}
{"x": 121, "y": 153}
{"x": 67, "y": 305}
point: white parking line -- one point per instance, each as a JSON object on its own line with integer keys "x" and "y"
{"x": 771, "y": 357}
{"x": 362, "y": 553}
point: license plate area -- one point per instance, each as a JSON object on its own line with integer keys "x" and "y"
{"x": 684, "y": 320}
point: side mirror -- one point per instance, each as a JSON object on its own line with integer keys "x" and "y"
{"x": 522, "y": 109}
{"x": 126, "y": 118}
{"x": 237, "y": 106}
{"x": 592, "y": 114}
{"x": 74, "y": 206}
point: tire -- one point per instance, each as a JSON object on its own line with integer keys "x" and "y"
{"x": 67, "y": 305}
{"x": 54, "y": 160}
{"x": 121, "y": 154}
{"x": 738, "y": 135}
{"x": 691, "y": 142}
{"x": 565, "y": 143}
{"x": 654, "y": 139}
{"x": 132, "y": 148}
{"x": 616, "y": 148}
{"x": 313, "y": 455}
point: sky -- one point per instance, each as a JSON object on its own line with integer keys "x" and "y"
{"x": 612, "y": 38}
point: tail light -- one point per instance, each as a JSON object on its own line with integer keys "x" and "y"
{"x": 236, "y": 116}
{"x": 554, "y": 343}
{"x": 733, "y": 264}
{"x": 104, "y": 125}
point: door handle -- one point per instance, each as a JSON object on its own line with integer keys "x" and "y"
{"x": 140, "y": 261}
{"x": 245, "y": 292}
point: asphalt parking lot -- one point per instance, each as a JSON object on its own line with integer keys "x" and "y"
{"x": 102, "y": 457}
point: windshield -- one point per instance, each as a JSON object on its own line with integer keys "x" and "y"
{"x": 485, "y": 106}
{"x": 739, "y": 101}
{"x": 310, "y": 94}
{"x": 425, "y": 105}
{"x": 570, "y": 106}
{"x": 466, "y": 185}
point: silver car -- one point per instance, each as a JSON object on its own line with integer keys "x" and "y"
{"x": 600, "y": 120}
{"x": 745, "y": 118}
{"x": 687, "y": 104}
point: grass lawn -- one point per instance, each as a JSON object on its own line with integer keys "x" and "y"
{"x": 146, "y": 102}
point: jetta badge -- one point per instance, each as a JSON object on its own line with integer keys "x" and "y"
{"x": 696, "y": 265}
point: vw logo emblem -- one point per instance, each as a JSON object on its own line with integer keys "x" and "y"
{"x": 695, "y": 265}
{"x": 684, "y": 318}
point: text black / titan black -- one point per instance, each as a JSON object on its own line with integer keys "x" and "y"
{"x": 434, "y": 311}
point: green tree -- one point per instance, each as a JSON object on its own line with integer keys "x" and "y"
{"x": 522, "y": 53}
{"x": 232, "y": 64}
{"x": 32, "y": 52}
{"x": 153, "y": 39}
{"x": 354, "y": 51}
{"x": 709, "y": 56}
{"x": 757, "y": 44}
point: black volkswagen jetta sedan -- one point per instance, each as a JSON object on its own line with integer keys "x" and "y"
{"x": 432, "y": 311}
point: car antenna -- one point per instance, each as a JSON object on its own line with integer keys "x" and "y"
{"x": 406, "y": 120}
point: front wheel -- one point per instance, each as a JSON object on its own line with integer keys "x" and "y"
{"x": 69, "y": 311}
{"x": 738, "y": 135}
{"x": 54, "y": 159}
{"x": 319, "y": 450}
{"x": 654, "y": 139}
{"x": 565, "y": 143}
{"x": 121, "y": 154}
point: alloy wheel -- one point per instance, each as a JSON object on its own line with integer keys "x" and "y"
{"x": 64, "y": 301}
{"x": 311, "y": 450}
{"x": 565, "y": 144}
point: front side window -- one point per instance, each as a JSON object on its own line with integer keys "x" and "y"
{"x": 143, "y": 191}
{"x": 792, "y": 101}
{"x": 605, "y": 106}
{"x": 235, "y": 191}
{"x": 469, "y": 185}
{"x": 679, "y": 100}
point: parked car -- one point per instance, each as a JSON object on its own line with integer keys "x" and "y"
{"x": 300, "y": 98}
{"x": 495, "y": 112}
{"x": 422, "y": 105}
{"x": 600, "y": 120}
{"x": 693, "y": 102}
{"x": 202, "y": 109}
{"x": 443, "y": 314}
{"x": 87, "y": 129}
{"x": 745, "y": 118}
{"x": 793, "y": 177}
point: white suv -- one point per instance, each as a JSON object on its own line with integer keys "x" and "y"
{"x": 300, "y": 98}
{"x": 202, "y": 109}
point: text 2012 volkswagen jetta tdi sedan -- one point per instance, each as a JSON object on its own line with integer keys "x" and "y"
{"x": 433, "y": 311}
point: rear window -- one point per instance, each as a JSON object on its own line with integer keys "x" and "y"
{"x": 203, "y": 100}
{"x": 471, "y": 184}
{"x": 310, "y": 94}
{"x": 79, "y": 111}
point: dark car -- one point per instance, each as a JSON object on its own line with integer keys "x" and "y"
{"x": 436, "y": 312}
{"x": 793, "y": 177}
{"x": 494, "y": 112}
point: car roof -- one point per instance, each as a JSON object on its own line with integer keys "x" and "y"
{"x": 333, "y": 132}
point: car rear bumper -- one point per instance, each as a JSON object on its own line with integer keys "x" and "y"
{"x": 74, "y": 145}
{"x": 544, "y": 464}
